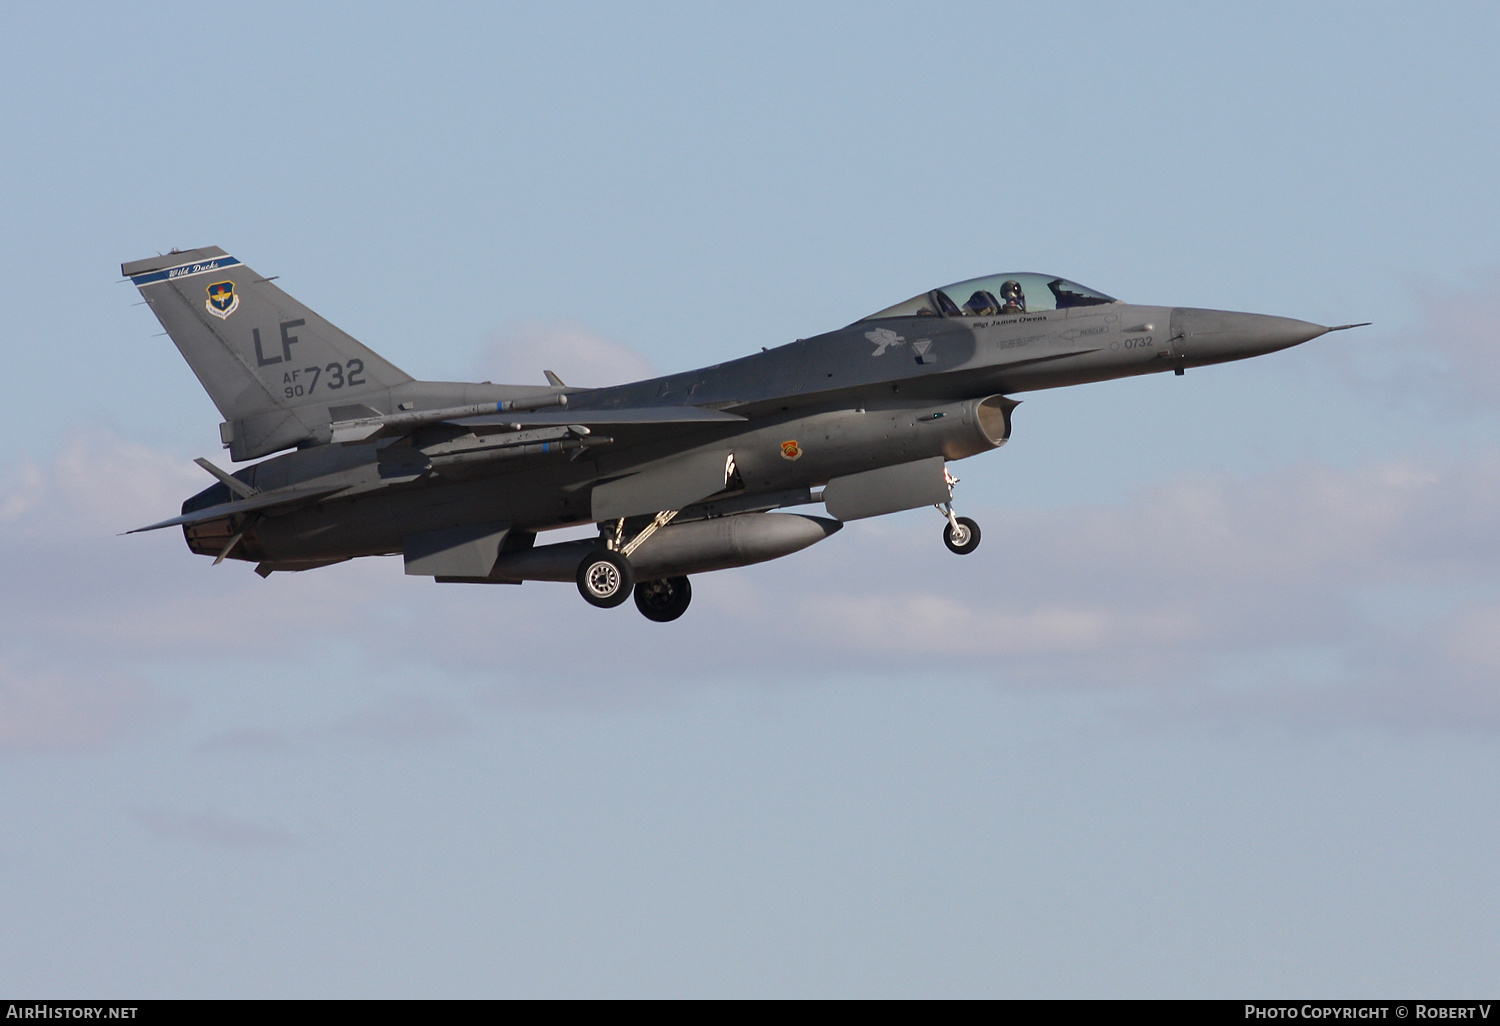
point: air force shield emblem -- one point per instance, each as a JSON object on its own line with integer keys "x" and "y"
{"x": 222, "y": 300}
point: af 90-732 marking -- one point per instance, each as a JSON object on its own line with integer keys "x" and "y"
{"x": 341, "y": 374}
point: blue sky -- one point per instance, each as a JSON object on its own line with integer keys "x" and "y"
{"x": 1212, "y": 712}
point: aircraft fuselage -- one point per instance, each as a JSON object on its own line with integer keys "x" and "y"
{"x": 849, "y": 401}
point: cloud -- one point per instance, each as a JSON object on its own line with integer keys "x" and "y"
{"x": 1460, "y": 325}
{"x": 580, "y": 357}
{"x": 1306, "y": 595}
{"x": 77, "y": 707}
{"x": 1450, "y": 360}
{"x": 1338, "y": 596}
{"x": 247, "y": 741}
{"x": 1309, "y": 594}
{"x": 928, "y": 623}
{"x": 207, "y": 830}
{"x": 99, "y": 482}
{"x": 75, "y": 590}
{"x": 402, "y": 720}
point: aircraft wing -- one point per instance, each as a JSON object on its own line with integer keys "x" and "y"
{"x": 608, "y": 418}
{"x": 262, "y": 500}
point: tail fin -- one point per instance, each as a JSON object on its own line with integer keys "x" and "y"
{"x": 272, "y": 366}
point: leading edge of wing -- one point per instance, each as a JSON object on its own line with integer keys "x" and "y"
{"x": 589, "y": 418}
{"x": 263, "y": 500}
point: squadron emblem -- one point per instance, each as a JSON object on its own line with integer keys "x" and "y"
{"x": 884, "y": 338}
{"x": 791, "y": 450}
{"x": 222, "y": 300}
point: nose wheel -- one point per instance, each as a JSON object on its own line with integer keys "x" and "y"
{"x": 961, "y": 534}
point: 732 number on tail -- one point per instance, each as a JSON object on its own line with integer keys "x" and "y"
{"x": 302, "y": 382}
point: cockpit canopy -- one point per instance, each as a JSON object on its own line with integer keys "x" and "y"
{"x": 999, "y": 295}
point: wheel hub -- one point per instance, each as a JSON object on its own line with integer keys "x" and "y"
{"x": 604, "y": 579}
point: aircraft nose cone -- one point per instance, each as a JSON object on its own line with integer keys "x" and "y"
{"x": 1211, "y": 336}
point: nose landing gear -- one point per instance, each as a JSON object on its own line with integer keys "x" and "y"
{"x": 961, "y": 534}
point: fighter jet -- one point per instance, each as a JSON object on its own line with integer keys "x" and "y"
{"x": 682, "y": 474}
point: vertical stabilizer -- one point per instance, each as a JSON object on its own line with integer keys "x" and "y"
{"x": 272, "y": 366}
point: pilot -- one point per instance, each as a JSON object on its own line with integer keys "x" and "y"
{"x": 982, "y": 304}
{"x": 1012, "y": 299}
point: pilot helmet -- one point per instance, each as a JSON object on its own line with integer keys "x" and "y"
{"x": 1011, "y": 296}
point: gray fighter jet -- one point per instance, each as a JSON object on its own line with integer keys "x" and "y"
{"x": 682, "y": 474}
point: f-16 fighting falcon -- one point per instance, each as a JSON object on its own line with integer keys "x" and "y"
{"x": 683, "y": 474}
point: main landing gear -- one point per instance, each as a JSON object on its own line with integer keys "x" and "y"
{"x": 961, "y": 534}
{"x": 663, "y": 600}
{"x": 605, "y": 578}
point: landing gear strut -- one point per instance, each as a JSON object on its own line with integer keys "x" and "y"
{"x": 961, "y": 534}
{"x": 604, "y": 575}
{"x": 663, "y": 600}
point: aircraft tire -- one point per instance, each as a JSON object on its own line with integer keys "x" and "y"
{"x": 664, "y": 600}
{"x": 604, "y": 579}
{"x": 963, "y": 541}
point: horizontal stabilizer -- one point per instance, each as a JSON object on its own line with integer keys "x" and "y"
{"x": 231, "y": 482}
{"x": 259, "y": 501}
